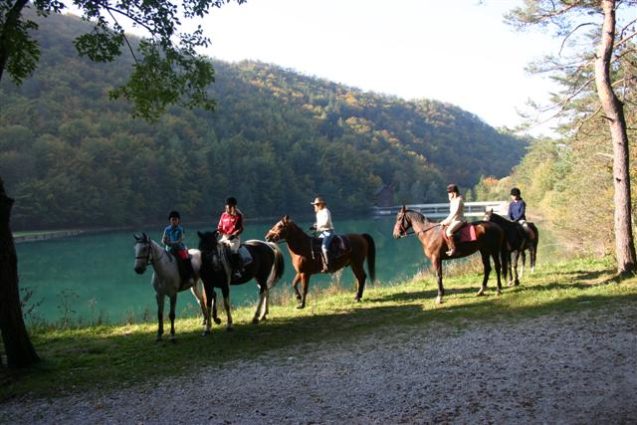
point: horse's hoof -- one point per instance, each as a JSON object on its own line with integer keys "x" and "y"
{"x": 217, "y": 320}
{"x": 480, "y": 293}
{"x": 206, "y": 332}
{"x": 517, "y": 283}
{"x": 300, "y": 306}
{"x": 438, "y": 300}
{"x": 357, "y": 299}
{"x": 255, "y": 321}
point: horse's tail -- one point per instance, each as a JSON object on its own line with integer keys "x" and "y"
{"x": 534, "y": 244}
{"x": 278, "y": 266}
{"x": 371, "y": 256}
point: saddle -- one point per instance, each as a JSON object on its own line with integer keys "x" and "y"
{"x": 184, "y": 265}
{"x": 243, "y": 259}
{"x": 339, "y": 246}
{"x": 466, "y": 233}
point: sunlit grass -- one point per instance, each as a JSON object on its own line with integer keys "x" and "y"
{"x": 105, "y": 356}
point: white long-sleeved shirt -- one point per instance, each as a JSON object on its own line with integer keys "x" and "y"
{"x": 456, "y": 211}
{"x": 324, "y": 220}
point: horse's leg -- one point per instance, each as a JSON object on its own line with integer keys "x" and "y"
{"x": 305, "y": 283}
{"x": 259, "y": 314}
{"x": 215, "y": 317}
{"x": 523, "y": 256}
{"x": 437, "y": 264}
{"x": 515, "y": 266}
{"x": 498, "y": 266}
{"x": 160, "y": 316}
{"x": 225, "y": 291}
{"x": 295, "y": 283}
{"x": 200, "y": 294}
{"x": 487, "y": 269}
{"x": 360, "y": 275}
{"x": 173, "y": 304}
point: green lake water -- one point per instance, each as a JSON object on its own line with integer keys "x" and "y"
{"x": 90, "y": 277}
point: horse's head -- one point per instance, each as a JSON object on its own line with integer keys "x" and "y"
{"x": 280, "y": 230}
{"x": 488, "y": 213}
{"x": 403, "y": 223}
{"x": 143, "y": 252}
{"x": 208, "y": 241}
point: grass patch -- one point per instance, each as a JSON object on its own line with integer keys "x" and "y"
{"x": 109, "y": 356}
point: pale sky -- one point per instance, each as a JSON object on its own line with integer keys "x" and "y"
{"x": 454, "y": 51}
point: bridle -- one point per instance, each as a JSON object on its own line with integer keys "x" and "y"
{"x": 277, "y": 233}
{"x": 148, "y": 257}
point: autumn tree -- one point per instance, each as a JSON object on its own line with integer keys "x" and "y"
{"x": 167, "y": 69}
{"x": 597, "y": 65}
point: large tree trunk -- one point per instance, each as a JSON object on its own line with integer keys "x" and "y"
{"x": 17, "y": 345}
{"x": 614, "y": 111}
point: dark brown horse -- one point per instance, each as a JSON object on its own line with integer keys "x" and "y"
{"x": 519, "y": 240}
{"x": 490, "y": 241}
{"x": 266, "y": 268}
{"x": 307, "y": 261}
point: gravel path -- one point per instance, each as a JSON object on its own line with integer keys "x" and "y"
{"x": 576, "y": 368}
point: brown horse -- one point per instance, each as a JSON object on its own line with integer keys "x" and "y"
{"x": 490, "y": 241}
{"x": 307, "y": 261}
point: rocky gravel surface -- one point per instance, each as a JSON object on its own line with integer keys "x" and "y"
{"x": 572, "y": 368}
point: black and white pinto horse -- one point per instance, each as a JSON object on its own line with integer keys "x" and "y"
{"x": 266, "y": 267}
{"x": 519, "y": 241}
{"x": 166, "y": 279}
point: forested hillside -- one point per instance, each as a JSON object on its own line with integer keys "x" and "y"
{"x": 72, "y": 157}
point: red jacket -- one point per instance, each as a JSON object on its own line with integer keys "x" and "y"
{"x": 229, "y": 224}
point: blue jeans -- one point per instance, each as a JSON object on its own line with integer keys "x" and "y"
{"x": 327, "y": 236}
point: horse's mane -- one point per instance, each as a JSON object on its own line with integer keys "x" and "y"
{"x": 497, "y": 218}
{"x": 418, "y": 216}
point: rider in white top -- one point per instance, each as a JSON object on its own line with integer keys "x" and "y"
{"x": 325, "y": 228}
{"x": 456, "y": 216}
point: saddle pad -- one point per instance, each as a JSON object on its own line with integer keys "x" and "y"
{"x": 467, "y": 233}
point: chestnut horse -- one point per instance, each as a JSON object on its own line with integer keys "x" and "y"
{"x": 490, "y": 241}
{"x": 519, "y": 241}
{"x": 306, "y": 262}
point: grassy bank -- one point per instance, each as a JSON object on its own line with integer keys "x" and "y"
{"x": 114, "y": 356}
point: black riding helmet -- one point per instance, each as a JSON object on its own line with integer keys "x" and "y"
{"x": 452, "y": 188}
{"x": 515, "y": 192}
{"x": 231, "y": 201}
{"x": 174, "y": 214}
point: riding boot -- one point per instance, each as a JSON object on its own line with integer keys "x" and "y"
{"x": 237, "y": 265}
{"x": 452, "y": 246}
{"x": 326, "y": 262}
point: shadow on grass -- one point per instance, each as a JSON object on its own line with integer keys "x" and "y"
{"x": 106, "y": 359}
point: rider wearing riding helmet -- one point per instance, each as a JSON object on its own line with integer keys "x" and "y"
{"x": 517, "y": 207}
{"x": 230, "y": 227}
{"x": 455, "y": 219}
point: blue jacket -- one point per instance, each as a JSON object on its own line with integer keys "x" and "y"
{"x": 517, "y": 210}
